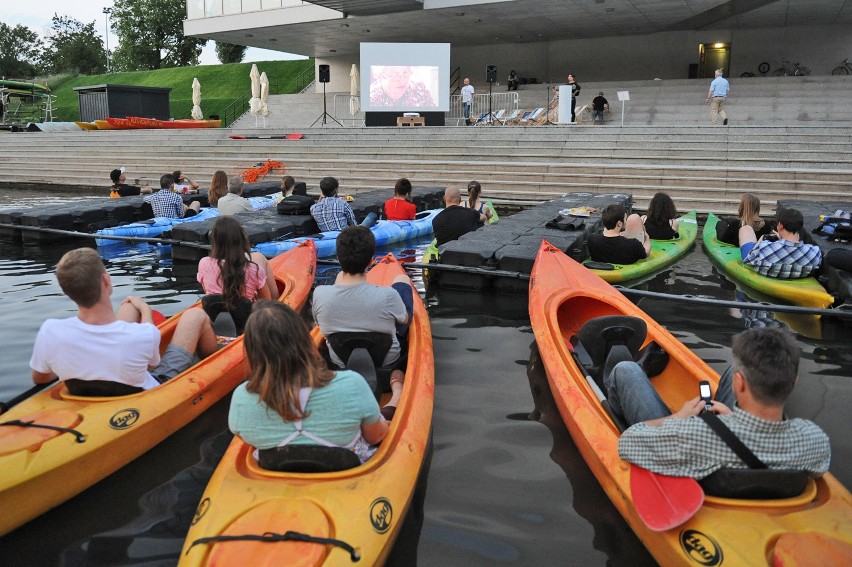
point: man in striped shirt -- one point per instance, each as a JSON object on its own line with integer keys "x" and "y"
{"x": 783, "y": 255}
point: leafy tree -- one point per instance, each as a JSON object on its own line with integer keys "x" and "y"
{"x": 150, "y": 34}
{"x": 230, "y": 53}
{"x": 20, "y": 48}
{"x": 74, "y": 47}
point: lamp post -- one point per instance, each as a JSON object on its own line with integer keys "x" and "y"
{"x": 107, "y": 12}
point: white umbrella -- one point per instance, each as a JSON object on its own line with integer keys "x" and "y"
{"x": 264, "y": 97}
{"x": 196, "y": 100}
{"x": 255, "y": 105}
{"x": 353, "y": 90}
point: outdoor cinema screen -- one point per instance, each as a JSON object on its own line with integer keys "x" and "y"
{"x": 411, "y": 77}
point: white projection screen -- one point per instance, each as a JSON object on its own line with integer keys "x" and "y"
{"x": 410, "y": 77}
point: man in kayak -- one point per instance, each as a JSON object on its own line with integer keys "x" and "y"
{"x": 121, "y": 189}
{"x": 783, "y": 255}
{"x": 332, "y": 212}
{"x": 455, "y": 220}
{"x": 99, "y": 344}
{"x": 352, "y": 305}
{"x": 233, "y": 202}
{"x": 623, "y": 240}
{"x": 166, "y": 203}
{"x": 750, "y": 402}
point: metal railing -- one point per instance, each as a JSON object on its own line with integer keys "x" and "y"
{"x": 342, "y": 109}
{"x": 455, "y": 81}
{"x": 507, "y": 102}
{"x": 240, "y": 105}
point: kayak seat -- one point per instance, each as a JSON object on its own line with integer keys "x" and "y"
{"x": 598, "y": 336}
{"x": 307, "y": 459}
{"x": 364, "y": 352}
{"x": 99, "y": 388}
{"x": 653, "y": 359}
{"x": 755, "y": 484}
{"x": 214, "y": 304}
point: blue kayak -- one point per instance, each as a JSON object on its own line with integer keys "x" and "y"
{"x": 386, "y": 232}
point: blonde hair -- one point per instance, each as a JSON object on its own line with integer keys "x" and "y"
{"x": 749, "y": 211}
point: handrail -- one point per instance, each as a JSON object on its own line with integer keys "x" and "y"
{"x": 348, "y": 115}
{"x": 455, "y": 81}
{"x": 240, "y": 105}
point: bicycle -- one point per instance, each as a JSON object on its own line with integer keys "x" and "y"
{"x": 763, "y": 68}
{"x": 844, "y": 69}
{"x": 791, "y": 69}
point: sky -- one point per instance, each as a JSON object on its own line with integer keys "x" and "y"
{"x": 37, "y": 15}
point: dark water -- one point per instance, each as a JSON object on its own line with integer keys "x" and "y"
{"x": 506, "y": 485}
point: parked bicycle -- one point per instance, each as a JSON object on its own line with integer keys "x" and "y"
{"x": 791, "y": 69}
{"x": 844, "y": 69}
{"x": 763, "y": 68}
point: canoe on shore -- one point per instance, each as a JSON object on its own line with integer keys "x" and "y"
{"x": 40, "y": 468}
{"x": 563, "y": 296}
{"x": 363, "y": 507}
{"x": 138, "y": 122}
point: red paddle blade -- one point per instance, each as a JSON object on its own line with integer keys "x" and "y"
{"x": 664, "y": 502}
{"x": 157, "y": 316}
{"x": 294, "y": 136}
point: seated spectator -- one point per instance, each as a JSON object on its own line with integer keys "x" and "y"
{"x": 287, "y": 185}
{"x": 292, "y": 398}
{"x": 783, "y": 255}
{"x": 750, "y": 402}
{"x": 611, "y": 247}
{"x": 455, "y": 220}
{"x": 660, "y": 222}
{"x": 122, "y": 347}
{"x": 474, "y": 190}
{"x": 332, "y": 212}
{"x": 400, "y": 206}
{"x": 512, "y": 81}
{"x": 233, "y": 202}
{"x": 599, "y": 105}
{"x": 728, "y": 231}
{"x": 121, "y": 189}
{"x": 166, "y": 203}
{"x": 218, "y": 188}
{"x": 184, "y": 184}
{"x": 353, "y": 305}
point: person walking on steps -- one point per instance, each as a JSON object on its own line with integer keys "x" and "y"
{"x": 716, "y": 96}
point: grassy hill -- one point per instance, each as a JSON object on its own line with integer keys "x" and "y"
{"x": 220, "y": 85}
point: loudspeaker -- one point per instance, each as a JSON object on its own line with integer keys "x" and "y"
{"x": 324, "y": 74}
{"x": 491, "y": 73}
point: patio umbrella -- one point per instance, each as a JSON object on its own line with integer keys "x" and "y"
{"x": 196, "y": 100}
{"x": 353, "y": 90}
{"x": 264, "y": 97}
{"x": 255, "y": 105}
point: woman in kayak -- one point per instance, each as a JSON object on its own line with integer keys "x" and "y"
{"x": 748, "y": 214}
{"x": 400, "y": 206}
{"x": 292, "y": 398}
{"x": 474, "y": 189}
{"x": 660, "y": 222}
{"x": 233, "y": 274}
{"x": 218, "y": 187}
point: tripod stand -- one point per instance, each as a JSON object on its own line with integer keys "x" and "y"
{"x": 491, "y": 118}
{"x": 325, "y": 114}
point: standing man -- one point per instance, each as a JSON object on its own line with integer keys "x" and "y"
{"x": 467, "y": 100}
{"x": 599, "y": 104}
{"x": 575, "y": 92}
{"x": 716, "y": 97}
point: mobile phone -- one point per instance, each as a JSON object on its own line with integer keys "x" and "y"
{"x": 705, "y": 393}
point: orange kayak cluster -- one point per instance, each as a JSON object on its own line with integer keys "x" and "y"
{"x": 137, "y": 123}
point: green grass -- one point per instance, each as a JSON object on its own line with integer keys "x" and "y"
{"x": 220, "y": 85}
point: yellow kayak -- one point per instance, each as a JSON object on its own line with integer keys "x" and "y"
{"x": 104, "y": 125}
{"x": 361, "y": 508}
{"x": 86, "y": 125}
{"x": 41, "y": 468}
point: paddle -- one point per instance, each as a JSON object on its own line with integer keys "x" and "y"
{"x": 293, "y": 136}
{"x": 5, "y": 406}
{"x": 662, "y": 502}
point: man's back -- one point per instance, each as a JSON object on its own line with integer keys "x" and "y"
{"x": 453, "y": 222}
{"x": 166, "y": 204}
{"x": 615, "y": 249}
{"x": 232, "y": 204}
{"x": 333, "y": 213}
{"x": 784, "y": 259}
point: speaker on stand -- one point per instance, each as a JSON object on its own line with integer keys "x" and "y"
{"x": 324, "y": 76}
{"x": 491, "y": 77}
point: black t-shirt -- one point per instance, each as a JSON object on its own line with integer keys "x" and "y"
{"x": 660, "y": 231}
{"x": 599, "y": 102}
{"x": 575, "y": 89}
{"x": 615, "y": 249}
{"x": 125, "y": 190}
{"x": 453, "y": 222}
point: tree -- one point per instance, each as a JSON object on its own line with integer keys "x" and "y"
{"x": 150, "y": 34}
{"x": 230, "y": 53}
{"x": 19, "y": 52}
{"x": 73, "y": 46}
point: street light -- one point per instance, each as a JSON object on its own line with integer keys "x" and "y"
{"x": 107, "y": 12}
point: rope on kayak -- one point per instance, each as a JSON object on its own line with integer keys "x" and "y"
{"x": 107, "y": 236}
{"x": 271, "y": 537}
{"x": 17, "y": 422}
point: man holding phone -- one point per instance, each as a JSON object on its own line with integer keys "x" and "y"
{"x": 750, "y": 402}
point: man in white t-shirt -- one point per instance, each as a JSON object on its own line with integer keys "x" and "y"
{"x": 467, "y": 100}
{"x": 124, "y": 346}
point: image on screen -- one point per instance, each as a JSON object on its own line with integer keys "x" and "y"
{"x": 405, "y": 77}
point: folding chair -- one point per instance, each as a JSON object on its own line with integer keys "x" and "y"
{"x": 512, "y": 117}
{"x": 532, "y": 115}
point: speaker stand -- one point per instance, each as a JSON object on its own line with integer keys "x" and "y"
{"x": 325, "y": 114}
{"x": 491, "y": 117}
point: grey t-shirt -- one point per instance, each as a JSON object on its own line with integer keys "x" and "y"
{"x": 359, "y": 308}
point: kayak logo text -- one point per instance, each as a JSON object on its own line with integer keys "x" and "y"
{"x": 123, "y": 419}
{"x": 701, "y": 548}
{"x": 381, "y": 514}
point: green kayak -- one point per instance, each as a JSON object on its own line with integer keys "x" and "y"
{"x": 806, "y": 292}
{"x": 663, "y": 253}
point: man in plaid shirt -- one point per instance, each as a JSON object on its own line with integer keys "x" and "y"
{"x": 166, "y": 203}
{"x": 784, "y": 256}
{"x": 332, "y": 212}
{"x": 750, "y": 401}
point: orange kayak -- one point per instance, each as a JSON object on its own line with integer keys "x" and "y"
{"x": 563, "y": 295}
{"x": 363, "y": 507}
{"x": 40, "y": 468}
{"x": 138, "y": 122}
{"x": 121, "y": 124}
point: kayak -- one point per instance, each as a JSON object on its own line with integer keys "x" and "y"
{"x": 663, "y": 253}
{"x": 104, "y": 125}
{"x": 363, "y": 507}
{"x": 385, "y": 232}
{"x": 40, "y": 468}
{"x": 562, "y": 297}
{"x": 86, "y": 125}
{"x": 121, "y": 123}
{"x": 138, "y": 122}
{"x": 806, "y": 292}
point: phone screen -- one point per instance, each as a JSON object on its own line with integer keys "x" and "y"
{"x": 704, "y": 391}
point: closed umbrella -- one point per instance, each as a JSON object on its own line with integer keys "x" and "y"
{"x": 264, "y": 97}
{"x": 196, "y": 100}
{"x": 255, "y": 105}
{"x": 354, "y": 105}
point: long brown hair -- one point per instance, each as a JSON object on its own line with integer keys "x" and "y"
{"x": 749, "y": 211}
{"x": 218, "y": 187}
{"x": 661, "y": 209}
{"x": 231, "y": 250}
{"x": 282, "y": 358}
